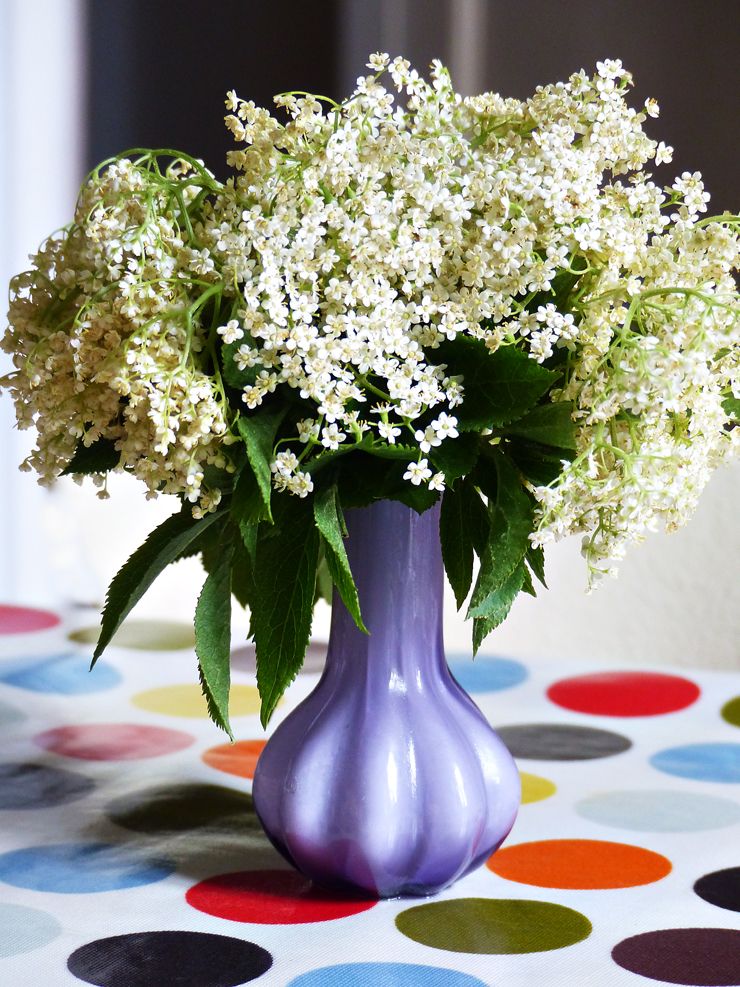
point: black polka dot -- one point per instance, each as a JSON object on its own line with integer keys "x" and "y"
{"x": 721, "y": 888}
{"x": 36, "y": 786}
{"x": 177, "y": 959}
{"x": 561, "y": 742}
{"x": 179, "y": 808}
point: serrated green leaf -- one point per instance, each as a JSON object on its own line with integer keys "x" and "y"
{"x": 499, "y": 387}
{"x": 329, "y": 521}
{"x": 536, "y": 561}
{"x": 324, "y": 584}
{"x": 285, "y": 579}
{"x": 527, "y": 584}
{"x": 100, "y": 457}
{"x": 242, "y": 568}
{"x": 511, "y": 525}
{"x": 234, "y": 377}
{"x": 258, "y": 432}
{"x": 164, "y": 545}
{"x": 247, "y": 503}
{"x": 213, "y": 638}
{"x": 494, "y": 610}
{"x": 456, "y": 457}
{"x": 551, "y": 424}
{"x": 731, "y": 407}
{"x": 457, "y": 540}
{"x": 540, "y": 464}
{"x": 419, "y": 498}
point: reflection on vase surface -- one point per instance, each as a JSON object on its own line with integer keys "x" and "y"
{"x": 387, "y": 778}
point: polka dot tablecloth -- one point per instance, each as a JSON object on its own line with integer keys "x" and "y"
{"x": 130, "y": 854}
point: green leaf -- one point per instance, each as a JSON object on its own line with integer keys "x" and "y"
{"x": 550, "y": 424}
{"x": 285, "y": 579}
{"x": 499, "y": 387}
{"x": 527, "y": 584}
{"x": 540, "y": 464}
{"x": 419, "y": 498}
{"x": 329, "y": 521}
{"x": 496, "y": 607}
{"x": 324, "y": 584}
{"x": 100, "y": 457}
{"x": 234, "y": 377}
{"x": 536, "y": 561}
{"x": 731, "y": 407}
{"x": 213, "y": 638}
{"x": 165, "y": 544}
{"x": 258, "y": 432}
{"x": 456, "y": 457}
{"x": 511, "y": 525}
{"x": 242, "y": 566}
{"x": 247, "y": 504}
{"x": 457, "y": 539}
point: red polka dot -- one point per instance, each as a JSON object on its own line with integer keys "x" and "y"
{"x": 271, "y": 897}
{"x": 21, "y": 620}
{"x": 624, "y": 693}
{"x": 113, "y": 741}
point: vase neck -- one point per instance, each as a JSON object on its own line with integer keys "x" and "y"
{"x": 396, "y": 561}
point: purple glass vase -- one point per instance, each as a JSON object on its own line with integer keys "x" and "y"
{"x": 387, "y": 779}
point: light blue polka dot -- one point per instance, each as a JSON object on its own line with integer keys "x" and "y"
{"x": 81, "y": 868}
{"x": 67, "y": 675}
{"x": 385, "y": 975}
{"x": 23, "y": 929}
{"x": 704, "y": 762}
{"x": 659, "y": 811}
{"x": 487, "y": 674}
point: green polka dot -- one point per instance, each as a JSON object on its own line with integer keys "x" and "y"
{"x": 731, "y": 711}
{"x": 493, "y": 925}
{"x": 142, "y": 635}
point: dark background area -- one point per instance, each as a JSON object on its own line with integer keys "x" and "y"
{"x": 159, "y": 70}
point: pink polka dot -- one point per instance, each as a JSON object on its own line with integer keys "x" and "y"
{"x": 113, "y": 741}
{"x": 22, "y": 620}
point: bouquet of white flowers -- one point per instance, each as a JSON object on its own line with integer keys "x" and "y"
{"x": 478, "y": 299}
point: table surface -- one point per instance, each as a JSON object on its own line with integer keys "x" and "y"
{"x": 130, "y": 855}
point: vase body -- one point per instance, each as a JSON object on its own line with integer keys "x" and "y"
{"x": 387, "y": 779}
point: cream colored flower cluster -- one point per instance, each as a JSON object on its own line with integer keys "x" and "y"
{"x": 356, "y": 238}
{"x": 107, "y": 336}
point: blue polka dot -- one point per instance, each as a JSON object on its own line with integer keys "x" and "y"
{"x": 703, "y": 762}
{"x": 67, "y": 675}
{"x": 487, "y": 674}
{"x": 385, "y": 975}
{"x": 81, "y": 868}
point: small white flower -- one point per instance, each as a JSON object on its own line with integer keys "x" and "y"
{"x": 418, "y": 473}
{"x": 231, "y": 332}
{"x": 389, "y": 432}
{"x": 437, "y": 482}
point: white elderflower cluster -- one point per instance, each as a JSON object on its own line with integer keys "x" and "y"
{"x": 352, "y": 241}
{"x": 107, "y": 335}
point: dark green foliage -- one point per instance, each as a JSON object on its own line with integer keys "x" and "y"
{"x": 100, "y": 457}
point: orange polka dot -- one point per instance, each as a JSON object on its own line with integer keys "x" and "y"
{"x": 238, "y": 759}
{"x": 579, "y": 864}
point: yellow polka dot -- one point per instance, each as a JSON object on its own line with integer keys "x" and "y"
{"x": 534, "y": 788}
{"x": 144, "y": 635}
{"x": 187, "y": 700}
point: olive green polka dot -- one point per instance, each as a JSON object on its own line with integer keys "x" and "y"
{"x": 731, "y": 711}
{"x": 493, "y": 925}
{"x": 142, "y": 635}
